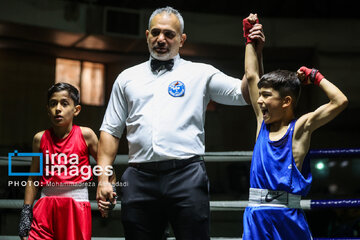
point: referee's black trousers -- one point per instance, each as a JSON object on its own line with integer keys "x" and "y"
{"x": 154, "y": 197}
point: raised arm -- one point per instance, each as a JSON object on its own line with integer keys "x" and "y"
{"x": 311, "y": 121}
{"x": 327, "y": 112}
{"x": 255, "y": 35}
{"x": 252, "y": 70}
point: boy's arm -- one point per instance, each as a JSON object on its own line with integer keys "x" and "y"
{"x": 30, "y": 191}
{"x": 91, "y": 141}
{"x": 252, "y": 71}
{"x": 253, "y": 32}
{"x": 327, "y": 112}
{"x": 259, "y": 46}
{"x": 309, "y": 122}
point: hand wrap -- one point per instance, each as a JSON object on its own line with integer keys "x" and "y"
{"x": 312, "y": 74}
{"x": 112, "y": 206}
{"x": 246, "y": 28}
{"x": 25, "y": 220}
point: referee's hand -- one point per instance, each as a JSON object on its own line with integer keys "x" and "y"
{"x": 105, "y": 197}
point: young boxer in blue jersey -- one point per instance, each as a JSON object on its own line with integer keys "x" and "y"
{"x": 280, "y": 169}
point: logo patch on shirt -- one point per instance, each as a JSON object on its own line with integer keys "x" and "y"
{"x": 176, "y": 89}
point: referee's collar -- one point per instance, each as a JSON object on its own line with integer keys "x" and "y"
{"x": 176, "y": 61}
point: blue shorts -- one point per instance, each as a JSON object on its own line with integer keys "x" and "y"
{"x": 275, "y": 223}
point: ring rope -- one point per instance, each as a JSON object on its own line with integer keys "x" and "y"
{"x": 235, "y": 156}
{"x": 219, "y": 205}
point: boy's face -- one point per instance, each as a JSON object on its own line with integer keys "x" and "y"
{"x": 61, "y": 109}
{"x": 271, "y": 105}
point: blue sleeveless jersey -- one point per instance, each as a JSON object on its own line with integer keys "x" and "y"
{"x": 273, "y": 167}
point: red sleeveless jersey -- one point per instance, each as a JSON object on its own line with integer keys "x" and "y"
{"x": 65, "y": 160}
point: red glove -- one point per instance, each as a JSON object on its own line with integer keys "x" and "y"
{"x": 312, "y": 74}
{"x": 246, "y": 28}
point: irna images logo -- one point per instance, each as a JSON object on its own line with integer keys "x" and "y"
{"x": 17, "y": 154}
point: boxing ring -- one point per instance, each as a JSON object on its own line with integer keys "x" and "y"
{"x": 235, "y": 206}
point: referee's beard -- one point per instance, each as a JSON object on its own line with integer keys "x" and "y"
{"x": 162, "y": 56}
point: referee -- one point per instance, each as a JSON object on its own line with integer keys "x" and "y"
{"x": 162, "y": 104}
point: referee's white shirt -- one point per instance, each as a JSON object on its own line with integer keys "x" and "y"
{"x": 161, "y": 126}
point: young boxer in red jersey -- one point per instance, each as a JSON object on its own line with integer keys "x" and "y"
{"x": 63, "y": 212}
